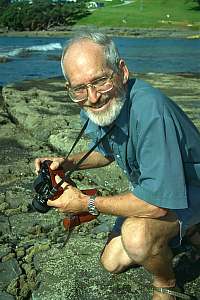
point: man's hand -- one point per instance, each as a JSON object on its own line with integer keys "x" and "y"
{"x": 71, "y": 201}
{"x": 95, "y": 160}
{"x": 57, "y": 162}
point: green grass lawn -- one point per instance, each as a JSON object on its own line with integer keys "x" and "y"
{"x": 145, "y": 13}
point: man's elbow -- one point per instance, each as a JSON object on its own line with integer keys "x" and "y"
{"x": 159, "y": 212}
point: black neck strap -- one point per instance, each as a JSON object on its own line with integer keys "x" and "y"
{"x": 69, "y": 173}
{"x": 78, "y": 138}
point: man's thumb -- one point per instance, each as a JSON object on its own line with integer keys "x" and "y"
{"x": 54, "y": 165}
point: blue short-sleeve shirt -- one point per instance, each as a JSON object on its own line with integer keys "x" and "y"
{"x": 155, "y": 144}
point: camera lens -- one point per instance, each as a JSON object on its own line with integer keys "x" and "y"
{"x": 40, "y": 205}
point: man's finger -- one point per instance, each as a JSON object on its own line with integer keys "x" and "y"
{"x": 65, "y": 185}
{"x": 51, "y": 203}
{"x": 54, "y": 165}
{"x": 37, "y": 165}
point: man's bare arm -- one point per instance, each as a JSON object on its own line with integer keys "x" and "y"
{"x": 127, "y": 205}
{"x": 94, "y": 160}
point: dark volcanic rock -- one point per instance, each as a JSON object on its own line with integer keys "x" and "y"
{"x": 6, "y": 296}
{"x": 4, "y": 59}
{"x": 9, "y": 270}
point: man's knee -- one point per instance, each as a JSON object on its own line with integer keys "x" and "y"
{"x": 136, "y": 238}
{"x": 108, "y": 264}
{"x": 139, "y": 239}
{"x": 109, "y": 260}
{"x": 114, "y": 258}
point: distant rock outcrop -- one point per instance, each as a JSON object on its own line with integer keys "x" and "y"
{"x": 4, "y": 59}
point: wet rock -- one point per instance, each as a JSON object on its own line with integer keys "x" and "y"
{"x": 20, "y": 252}
{"x": 9, "y": 271}
{"x": 102, "y": 228}
{"x": 8, "y": 257}
{"x": 4, "y": 225}
{"x": 23, "y": 287}
{"x": 3, "y": 206}
{"x": 88, "y": 280}
{"x": 6, "y": 296}
{"x": 22, "y": 224}
{"x": 36, "y": 249}
{"x": 60, "y": 141}
{"x": 53, "y": 57}
{"x": 4, "y": 59}
{"x": 36, "y": 106}
{"x": 4, "y": 251}
{"x": 12, "y": 288}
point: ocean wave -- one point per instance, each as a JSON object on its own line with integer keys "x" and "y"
{"x": 27, "y": 51}
{"x": 48, "y": 47}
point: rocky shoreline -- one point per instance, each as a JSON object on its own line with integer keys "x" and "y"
{"x": 39, "y": 260}
{"x": 163, "y": 32}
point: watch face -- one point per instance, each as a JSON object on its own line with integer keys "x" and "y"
{"x": 93, "y": 211}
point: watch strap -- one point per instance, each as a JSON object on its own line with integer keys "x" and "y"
{"x": 91, "y": 206}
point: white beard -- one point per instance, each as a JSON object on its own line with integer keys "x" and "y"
{"x": 106, "y": 118}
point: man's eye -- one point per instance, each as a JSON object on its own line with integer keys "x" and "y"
{"x": 78, "y": 89}
{"x": 100, "y": 81}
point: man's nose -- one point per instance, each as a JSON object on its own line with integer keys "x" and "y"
{"x": 93, "y": 94}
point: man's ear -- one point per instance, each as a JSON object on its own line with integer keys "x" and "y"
{"x": 124, "y": 71}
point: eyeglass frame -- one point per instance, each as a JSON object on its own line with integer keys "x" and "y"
{"x": 90, "y": 84}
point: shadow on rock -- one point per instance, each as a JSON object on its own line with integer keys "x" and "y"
{"x": 11, "y": 149}
{"x": 50, "y": 85}
{"x": 187, "y": 270}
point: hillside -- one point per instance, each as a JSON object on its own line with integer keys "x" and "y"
{"x": 145, "y": 14}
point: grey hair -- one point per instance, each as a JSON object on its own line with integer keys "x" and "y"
{"x": 110, "y": 50}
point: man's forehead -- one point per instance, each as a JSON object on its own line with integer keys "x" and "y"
{"x": 84, "y": 58}
{"x": 84, "y": 48}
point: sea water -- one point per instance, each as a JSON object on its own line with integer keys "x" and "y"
{"x": 38, "y": 57}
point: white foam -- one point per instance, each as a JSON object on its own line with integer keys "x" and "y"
{"x": 15, "y": 52}
{"x": 47, "y": 47}
{"x": 18, "y": 51}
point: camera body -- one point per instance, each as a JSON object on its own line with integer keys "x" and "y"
{"x": 43, "y": 185}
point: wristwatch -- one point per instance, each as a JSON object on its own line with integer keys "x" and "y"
{"x": 91, "y": 206}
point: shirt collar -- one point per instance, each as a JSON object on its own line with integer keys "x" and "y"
{"x": 122, "y": 120}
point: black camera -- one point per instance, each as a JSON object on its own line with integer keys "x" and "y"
{"x": 46, "y": 188}
{"x": 44, "y": 185}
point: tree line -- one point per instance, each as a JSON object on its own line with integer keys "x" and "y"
{"x": 40, "y": 14}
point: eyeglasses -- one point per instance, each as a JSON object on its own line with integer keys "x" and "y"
{"x": 80, "y": 93}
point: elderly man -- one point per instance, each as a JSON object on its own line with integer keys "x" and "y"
{"x": 155, "y": 144}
